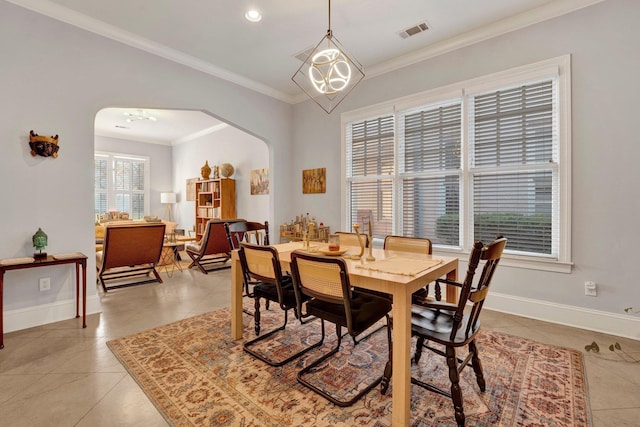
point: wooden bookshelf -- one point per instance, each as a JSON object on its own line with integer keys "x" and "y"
{"x": 215, "y": 199}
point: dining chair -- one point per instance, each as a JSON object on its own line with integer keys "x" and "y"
{"x": 259, "y": 231}
{"x": 457, "y": 325}
{"x": 418, "y": 245}
{"x": 323, "y": 283}
{"x": 262, "y": 265}
{"x": 351, "y": 239}
{"x": 236, "y": 233}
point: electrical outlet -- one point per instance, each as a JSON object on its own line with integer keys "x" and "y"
{"x": 590, "y": 289}
{"x": 45, "y": 284}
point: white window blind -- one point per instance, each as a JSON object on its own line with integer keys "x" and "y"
{"x": 370, "y": 166}
{"x": 486, "y": 157}
{"x": 514, "y": 166}
{"x": 429, "y": 153}
{"x": 121, "y": 185}
{"x": 101, "y": 204}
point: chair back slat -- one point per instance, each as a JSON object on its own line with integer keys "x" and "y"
{"x": 259, "y": 230}
{"x": 408, "y": 244}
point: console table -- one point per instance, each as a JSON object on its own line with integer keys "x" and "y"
{"x": 77, "y": 258}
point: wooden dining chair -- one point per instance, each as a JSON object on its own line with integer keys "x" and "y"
{"x": 418, "y": 245}
{"x": 457, "y": 325}
{"x": 259, "y": 231}
{"x": 261, "y": 264}
{"x": 323, "y": 283}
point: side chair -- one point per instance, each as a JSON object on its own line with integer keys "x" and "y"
{"x": 325, "y": 281}
{"x": 238, "y": 232}
{"x": 417, "y": 245}
{"x": 262, "y": 265}
{"x": 351, "y": 239}
{"x": 451, "y": 326}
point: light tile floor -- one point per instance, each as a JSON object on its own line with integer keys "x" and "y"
{"x": 62, "y": 375}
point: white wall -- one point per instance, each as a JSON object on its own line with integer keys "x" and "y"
{"x": 54, "y": 78}
{"x": 603, "y": 41}
{"x": 226, "y": 145}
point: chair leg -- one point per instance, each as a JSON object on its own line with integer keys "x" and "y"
{"x": 316, "y": 363}
{"x": 477, "y": 366}
{"x": 456, "y": 391}
{"x": 247, "y": 346}
{"x": 386, "y": 377}
{"x": 256, "y": 314}
{"x": 418, "y": 353}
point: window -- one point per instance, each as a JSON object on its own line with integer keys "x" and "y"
{"x": 468, "y": 162}
{"x": 120, "y": 184}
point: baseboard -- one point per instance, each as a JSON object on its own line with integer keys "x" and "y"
{"x": 621, "y": 325}
{"x": 16, "y": 320}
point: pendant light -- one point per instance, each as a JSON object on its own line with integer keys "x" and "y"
{"x": 328, "y": 74}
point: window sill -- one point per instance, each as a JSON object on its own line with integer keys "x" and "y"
{"x": 517, "y": 261}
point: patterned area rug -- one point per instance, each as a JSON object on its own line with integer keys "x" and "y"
{"x": 197, "y": 376}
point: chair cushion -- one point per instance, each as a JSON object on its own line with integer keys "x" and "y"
{"x": 366, "y": 310}
{"x": 269, "y": 291}
{"x": 435, "y": 325}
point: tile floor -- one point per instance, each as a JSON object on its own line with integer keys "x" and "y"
{"x": 62, "y": 375}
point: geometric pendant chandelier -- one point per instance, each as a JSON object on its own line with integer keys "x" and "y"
{"x": 328, "y": 74}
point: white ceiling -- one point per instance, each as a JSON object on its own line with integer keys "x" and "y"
{"x": 214, "y": 37}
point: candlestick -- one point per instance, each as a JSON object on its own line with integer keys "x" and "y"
{"x": 370, "y": 257}
{"x": 356, "y": 228}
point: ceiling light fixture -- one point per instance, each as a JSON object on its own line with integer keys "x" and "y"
{"x": 253, "y": 16}
{"x": 328, "y": 74}
{"x": 139, "y": 115}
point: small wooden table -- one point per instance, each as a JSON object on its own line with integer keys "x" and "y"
{"x": 399, "y": 286}
{"x": 169, "y": 257}
{"x": 77, "y": 258}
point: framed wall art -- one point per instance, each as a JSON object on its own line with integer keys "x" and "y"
{"x": 259, "y": 179}
{"x": 314, "y": 181}
{"x": 191, "y": 189}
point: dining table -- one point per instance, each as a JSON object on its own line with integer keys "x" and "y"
{"x": 396, "y": 273}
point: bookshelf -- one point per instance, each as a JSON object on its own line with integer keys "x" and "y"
{"x": 215, "y": 199}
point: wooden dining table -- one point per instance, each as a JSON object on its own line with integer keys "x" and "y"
{"x": 379, "y": 275}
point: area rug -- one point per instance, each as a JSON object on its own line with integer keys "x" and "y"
{"x": 197, "y": 376}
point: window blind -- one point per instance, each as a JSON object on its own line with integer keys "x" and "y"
{"x": 430, "y": 157}
{"x": 514, "y": 167}
{"x": 370, "y": 165}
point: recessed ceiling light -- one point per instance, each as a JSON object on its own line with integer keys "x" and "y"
{"x": 253, "y": 16}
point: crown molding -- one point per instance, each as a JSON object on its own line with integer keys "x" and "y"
{"x": 542, "y": 13}
{"x": 63, "y": 14}
{"x": 547, "y": 11}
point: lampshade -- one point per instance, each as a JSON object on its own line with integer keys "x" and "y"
{"x": 167, "y": 197}
{"x": 329, "y": 73}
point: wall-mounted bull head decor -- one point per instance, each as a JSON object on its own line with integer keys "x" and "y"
{"x": 43, "y": 145}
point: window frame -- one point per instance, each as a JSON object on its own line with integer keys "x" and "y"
{"x": 112, "y": 191}
{"x": 558, "y": 68}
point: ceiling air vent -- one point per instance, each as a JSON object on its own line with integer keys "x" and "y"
{"x": 416, "y": 29}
